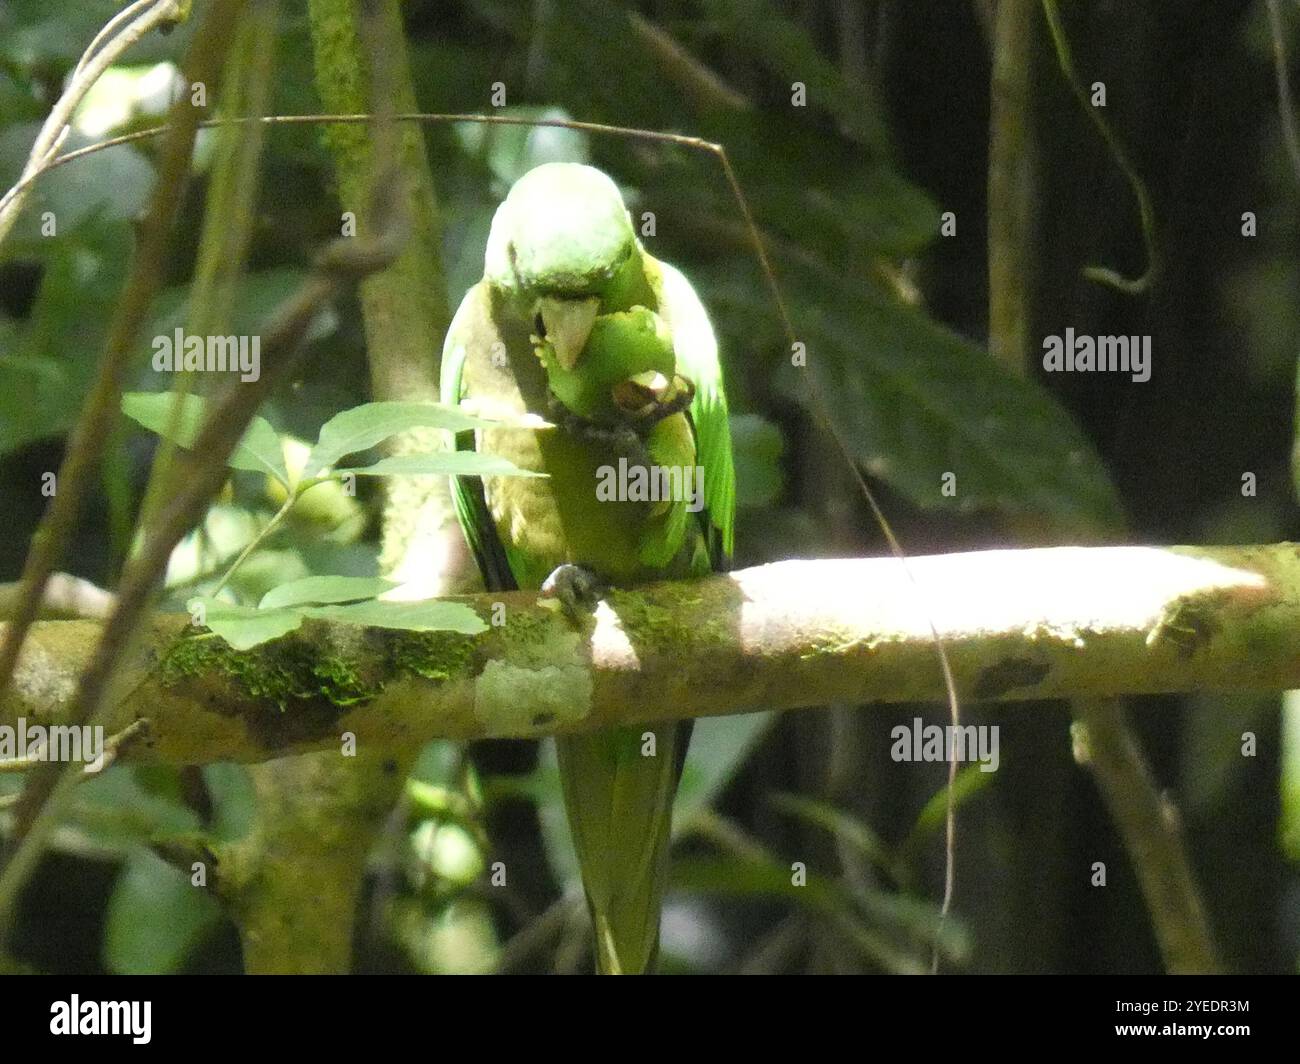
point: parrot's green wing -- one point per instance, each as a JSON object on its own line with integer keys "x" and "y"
{"x": 697, "y": 358}
{"x": 472, "y": 325}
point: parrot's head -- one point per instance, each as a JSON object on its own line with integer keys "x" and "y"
{"x": 559, "y": 241}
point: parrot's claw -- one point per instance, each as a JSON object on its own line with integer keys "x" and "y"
{"x": 577, "y": 590}
{"x": 677, "y": 400}
{"x": 623, "y": 438}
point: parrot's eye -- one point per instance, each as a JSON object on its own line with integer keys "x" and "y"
{"x": 539, "y": 326}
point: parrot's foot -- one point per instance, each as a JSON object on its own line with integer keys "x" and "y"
{"x": 650, "y": 409}
{"x": 623, "y": 439}
{"x": 577, "y": 590}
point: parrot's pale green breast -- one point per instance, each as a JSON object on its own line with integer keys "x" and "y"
{"x": 568, "y": 516}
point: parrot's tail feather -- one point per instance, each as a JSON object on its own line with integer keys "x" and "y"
{"x": 618, "y": 791}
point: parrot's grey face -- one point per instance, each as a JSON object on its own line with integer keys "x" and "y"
{"x": 558, "y": 240}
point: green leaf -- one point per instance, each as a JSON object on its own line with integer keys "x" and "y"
{"x": 316, "y": 590}
{"x": 112, "y": 184}
{"x": 234, "y": 801}
{"x": 732, "y": 877}
{"x": 155, "y": 918}
{"x": 758, "y": 445}
{"x": 126, "y": 806}
{"x": 35, "y": 32}
{"x": 842, "y": 825}
{"x": 224, "y": 532}
{"x": 106, "y": 186}
{"x": 873, "y": 920}
{"x": 547, "y": 792}
{"x": 371, "y": 423}
{"x": 244, "y": 627}
{"x": 916, "y": 401}
{"x": 258, "y": 451}
{"x": 969, "y": 782}
{"x": 788, "y": 50}
{"x": 257, "y": 297}
{"x": 53, "y": 352}
{"x": 719, "y": 747}
{"x": 443, "y": 463}
{"x": 1295, "y": 445}
{"x": 511, "y": 151}
{"x": 746, "y": 877}
{"x": 429, "y": 615}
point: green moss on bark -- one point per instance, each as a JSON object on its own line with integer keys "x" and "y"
{"x": 277, "y": 674}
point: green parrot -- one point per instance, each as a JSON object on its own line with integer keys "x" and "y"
{"x": 574, "y": 322}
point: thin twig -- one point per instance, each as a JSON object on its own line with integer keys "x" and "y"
{"x": 1102, "y": 274}
{"x": 103, "y": 51}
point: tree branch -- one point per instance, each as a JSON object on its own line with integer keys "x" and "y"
{"x": 1057, "y": 622}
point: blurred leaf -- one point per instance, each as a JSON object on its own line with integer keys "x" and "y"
{"x": 719, "y": 747}
{"x": 970, "y": 781}
{"x": 234, "y": 802}
{"x": 258, "y": 451}
{"x": 872, "y": 921}
{"x": 155, "y": 918}
{"x": 1210, "y": 741}
{"x": 50, "y": 358}
{"x": 1289, "y": 821}
{"x": 125, "y": 806}
{"x": 113, "y": 185}
{"x": 364, "y": 426}
{"x": 509, "y": 152}
{"x": 737, "y": 877}
{"x": 547, "y": 793}
{"x": 244, "y": 627}
{"x": 842, "y": 825}
{"x": 34, "y": 31}
{"x": 432, "y": 615}
{"x": 16, "y": 103}
{"x": 916, "y": 401}
{"x": 788, "y": 51}
{"x": 266, "y": 569}
{"x": 823, "y": 195}
{"x": 575, "y": 32}
{"x": 258, "y": 296}
{"x": 225, "y": 531}
{"x": 322, "y": 589}
{"x": 438, "y": 764}
{"x": 758, "y": 445}
{"x": 1295, "y": 446}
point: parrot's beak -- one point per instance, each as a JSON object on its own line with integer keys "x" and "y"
{"x": 568, "y": 323}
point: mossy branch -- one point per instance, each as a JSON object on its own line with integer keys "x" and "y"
{"x": 1057, "y": 622}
